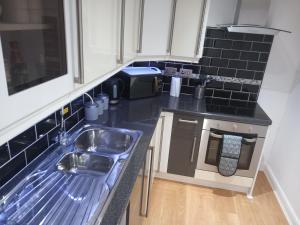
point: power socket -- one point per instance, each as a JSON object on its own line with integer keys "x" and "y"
{"x": 186, "y": 72}
{"x": 170, "y": 71}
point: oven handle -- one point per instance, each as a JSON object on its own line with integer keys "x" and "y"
{"x": 221, "y": 136}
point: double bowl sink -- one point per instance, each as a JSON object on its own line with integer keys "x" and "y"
{"x": 97, "y": 149}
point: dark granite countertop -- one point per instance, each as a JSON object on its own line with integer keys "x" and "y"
{"x": 143, "y": 115}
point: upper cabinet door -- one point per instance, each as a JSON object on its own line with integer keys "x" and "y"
{"x": 100, "y": 33}
{"x": 155, "y": 28}
{"x": 189, "y": 28}
{"x": 131, "y": 28}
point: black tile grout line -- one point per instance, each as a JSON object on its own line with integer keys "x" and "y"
{"x": 24, "y": 149}
{"x": 27, "y": 164}
{"x": 233, "y": 40}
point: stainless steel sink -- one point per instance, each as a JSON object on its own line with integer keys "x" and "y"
{"x": 108, "y": 140}
{"x": 78, "y": 162}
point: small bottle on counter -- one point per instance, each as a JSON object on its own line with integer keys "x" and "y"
{"x": 91, "y": 111}
{"x": 105, "y": 99}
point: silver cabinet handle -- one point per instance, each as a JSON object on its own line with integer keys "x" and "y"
{"x": 250, "y": 140}
{"x": 198, "y": 40}
{"x": 216, "y": 135}
{"x": 172, "y": 23}
{"x": 122, "y": 30}
{"x": 161, "y": 140}
{"x": 188, "y": 121}
{"x": 193, "y": 149}
{"x": 80, "y": 78}
{"x": 141, "y": 26}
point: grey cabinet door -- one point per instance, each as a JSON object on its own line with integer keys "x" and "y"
{"x": 184, "y": 147}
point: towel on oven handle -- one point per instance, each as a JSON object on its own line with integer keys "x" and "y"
{"x": 229, "y": 155}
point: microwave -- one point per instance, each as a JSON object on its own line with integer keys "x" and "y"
{"x": 141, "y": 82}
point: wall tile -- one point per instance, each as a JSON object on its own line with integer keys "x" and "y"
{"x": 250, "y": 88}
{"x": 22, "y": 141}
{"x": 46, "y": 125}
{"x": 259, "y": 75}
{"x": 240, "y": 96}
{"x": 178, "y": 66}
{"x": 217, "y": 62}
{"x": 77, "y": 104}
{"x": 36, "y": 149}
{"x": 71, "y": 122}
{"x": 268, "y": 38}
{"x": 215, "y": 84}
{"x": 241, "y": 45}
{"x": 246, "y": 74}
{"x": 208, "y": 92}
{"x": 4, "y": 154}
{"x": 230, "y": 54}
{"x": 256, "y": 66}
{"x": 187, "y": 90}
{"x": 226, "y": 44}
{"x": 235, "y": 36}
{"x": 141, "y": 64}
{"x": 232, "y": 86}
{"x": 237, "y": 64}
{"x": 221, "y": 94}
{"x": 194, "y": 68}
{"x": 227, "y": 72}
{"x": 253, "y": 56}
{"x": 9, "y": 170}
{"x": 159, "y": 65}
{"x": 215, "y": 33}
{"x": 264, "y": 57}
{"x": 254, "y": 37}
{"x": 261, "y": 47}
{"x": 209, "y": 42}
{"x": 205, "y": 61}
{"x": 212, "y": 52}
{"x": 208, "y": 70}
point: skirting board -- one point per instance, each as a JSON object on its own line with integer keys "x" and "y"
{"x": 284, "y": 203}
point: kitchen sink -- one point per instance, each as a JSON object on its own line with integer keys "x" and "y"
{"x": 108, "y": 140}
{"x": 79, "y": 163}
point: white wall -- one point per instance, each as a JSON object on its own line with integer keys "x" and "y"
{"x": 280, "y": 96}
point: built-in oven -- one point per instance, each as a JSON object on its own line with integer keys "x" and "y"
{"x": 253, "y": 137}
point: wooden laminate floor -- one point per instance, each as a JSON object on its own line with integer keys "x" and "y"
{"x": 183, "y": 204}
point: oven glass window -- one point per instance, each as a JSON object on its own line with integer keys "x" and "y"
{"x": 215, "y": 145}
{"x": 33, "y": 42}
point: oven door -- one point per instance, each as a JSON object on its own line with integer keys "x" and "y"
{"x": 211, "y": 144}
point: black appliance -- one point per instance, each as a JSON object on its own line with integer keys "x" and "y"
{"x": 114, "y": 88}
{"x": 141, "y": 82}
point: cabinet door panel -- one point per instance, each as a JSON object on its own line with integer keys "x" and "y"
{"x": 187, "y": 23}
{"x": 156, "y": 27}
{"x": 100, "y": 25}
{"x": 184, "y": 147}
{"x": 132, "y": 9}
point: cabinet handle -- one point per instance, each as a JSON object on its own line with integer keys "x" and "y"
{"x": 216, "y": 135}
{"x": 161, "y": 141}
{"x": 172, "y": 22}
{"x": 80, "y": 78}
{"x": 250, "y": 140}
{"x": 188, "y": 121}
{"x": 199, "y": 34}
{"x": 141, "y": 26}
{"x": 122, "y": 29}
{"x": 193, "y": 150}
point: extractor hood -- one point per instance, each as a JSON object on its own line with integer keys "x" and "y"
{"x": 250, "y": 16}
{"x": 252, "y": 29}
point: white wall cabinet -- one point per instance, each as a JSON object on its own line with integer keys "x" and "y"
{"x": 100, "y": 22}
{"x": 173, "y": 29}
{"x": 155, "y": 27}
{"x": 131, "y": 29}
{"x": 189, "y": 29}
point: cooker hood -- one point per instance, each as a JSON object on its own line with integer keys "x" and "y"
{"x": 252, "y": 29}
{"x": 251, "y": 16}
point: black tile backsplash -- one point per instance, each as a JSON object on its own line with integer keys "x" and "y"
{"x": 36, "y": 149}
{"x": 227, "y": 55}
{"x": 10, "y": 169}
{"x": 4, "y": 154}
{"x": 22, "y": 141}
